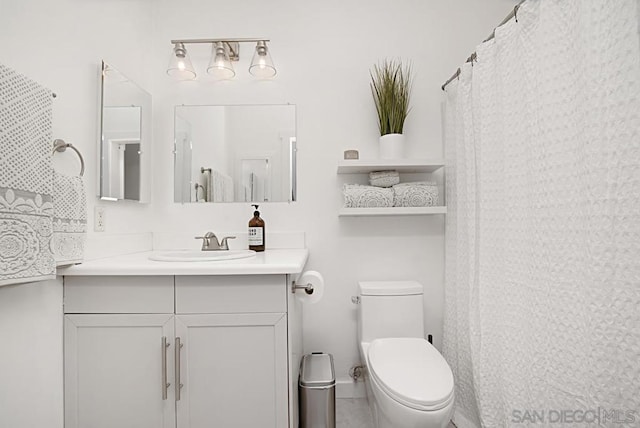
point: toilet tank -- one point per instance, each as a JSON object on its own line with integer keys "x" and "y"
{"x": 390, "y": 309}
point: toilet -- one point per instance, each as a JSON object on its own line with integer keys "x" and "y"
{"x": 409, "y": 384}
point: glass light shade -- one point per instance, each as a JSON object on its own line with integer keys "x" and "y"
{"x": 220, "y": 66}
{"x": 262, "y": 64}
{"x": 180, "y": 66}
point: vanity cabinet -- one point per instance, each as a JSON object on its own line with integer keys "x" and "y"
{"x": 234, "y": 370}
{"x": 178, "y": 352}
{"x": 113, "y": 371}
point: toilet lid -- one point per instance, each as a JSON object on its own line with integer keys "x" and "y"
{"x": 412, "y": 372}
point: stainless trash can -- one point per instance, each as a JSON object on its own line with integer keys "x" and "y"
{"x": 317, "y": 391}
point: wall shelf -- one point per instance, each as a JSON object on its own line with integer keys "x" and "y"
{"x": 420, "y": 166}
{"x": 388, "y": 211}
{"x": 400, "y": 165}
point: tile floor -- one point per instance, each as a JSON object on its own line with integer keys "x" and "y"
{"x": 355, "y": 413}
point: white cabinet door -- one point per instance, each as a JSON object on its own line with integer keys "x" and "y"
{"x": 114, "y": 370}
{"x": 233, "y": 368}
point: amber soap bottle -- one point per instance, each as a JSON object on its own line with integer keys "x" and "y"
{"x": 256, "y": 231}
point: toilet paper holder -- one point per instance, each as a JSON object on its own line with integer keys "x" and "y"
{"x": 308, "y": 288}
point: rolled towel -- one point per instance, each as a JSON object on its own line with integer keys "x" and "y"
{"x": 384, "y": 178}
{"x": 358, "y": 196}
{"x": 418, "y": 194}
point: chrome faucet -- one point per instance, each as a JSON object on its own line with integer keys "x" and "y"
{"x": 210, "y": 242}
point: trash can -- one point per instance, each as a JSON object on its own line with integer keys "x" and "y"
{"x": 317, "y": 391}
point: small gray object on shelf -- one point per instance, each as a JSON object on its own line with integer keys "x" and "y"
{"x": 351, "y": 155}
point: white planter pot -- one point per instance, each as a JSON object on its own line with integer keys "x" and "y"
{"x": 392, "y": 146}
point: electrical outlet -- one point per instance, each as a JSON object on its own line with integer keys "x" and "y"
{"x": 98, "y": 219}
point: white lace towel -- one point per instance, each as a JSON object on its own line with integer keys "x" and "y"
{"x": 358, "y": 196}
{"x": 228, "y": 189}
{"x": 384, "y": 178}
{"x": 418, "y": 194}
{"x": 69, "y": 219}
{"x": 218, "y": 186}
{"x": 25, "y": 180}
{"x": 222, "y": 187}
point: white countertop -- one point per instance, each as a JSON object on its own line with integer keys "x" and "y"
{"x": 271, "y": 261}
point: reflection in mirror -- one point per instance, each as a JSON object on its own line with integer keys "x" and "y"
{"x": 235, "y": 153}
{"x": 125, "y": 124}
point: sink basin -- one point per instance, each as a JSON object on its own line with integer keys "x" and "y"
{"x": 201, "y": 256}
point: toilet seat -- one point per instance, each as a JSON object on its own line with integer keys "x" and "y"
{"x": 412, "y": 372}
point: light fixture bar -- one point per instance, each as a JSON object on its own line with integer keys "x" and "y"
{"x": 224, "y": 51}
{"x": 190, "y": 41}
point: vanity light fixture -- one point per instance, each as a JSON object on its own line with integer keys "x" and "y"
{"x": 223, "y": 52}
{"x": 180, "y": 66}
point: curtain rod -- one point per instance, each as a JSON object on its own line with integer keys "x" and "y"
{"x": 473, "y": 56}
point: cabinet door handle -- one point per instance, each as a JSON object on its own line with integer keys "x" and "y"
{"x": 165, "y": 384}
{"x": 178, "y": 384}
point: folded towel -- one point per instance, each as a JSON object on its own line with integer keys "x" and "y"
{"x": 384, "y": 178}
{"x": 358, "y": 196}
{"x": 228, "y": 189}
{"x": 25, "y": 180}
{"x": 418, "y": 194}
{"x": 218, "y": 187}
{"x": 69, "y": 219}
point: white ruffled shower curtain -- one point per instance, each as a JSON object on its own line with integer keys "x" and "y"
{"x": 543, "y": 226}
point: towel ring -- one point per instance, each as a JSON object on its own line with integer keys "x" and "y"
{"x": 61, "y": 146}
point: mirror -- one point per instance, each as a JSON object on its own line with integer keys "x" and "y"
{"x": 235, "y": 153}
{"x": 125, "y": 125}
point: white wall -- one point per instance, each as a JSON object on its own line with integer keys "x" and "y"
{"x": 323, "y": 52}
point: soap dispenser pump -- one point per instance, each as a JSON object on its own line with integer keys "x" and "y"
{"x": 256, "y": 231}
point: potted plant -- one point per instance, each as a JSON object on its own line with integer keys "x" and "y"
{"x": 391, "y": 89}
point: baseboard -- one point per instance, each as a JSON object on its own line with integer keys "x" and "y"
{"x": 347, "y": 388}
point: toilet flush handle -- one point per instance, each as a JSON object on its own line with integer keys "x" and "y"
{"x": 355, "y": 300}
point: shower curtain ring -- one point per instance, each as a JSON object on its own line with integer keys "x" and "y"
{"x": 515, "y": 12}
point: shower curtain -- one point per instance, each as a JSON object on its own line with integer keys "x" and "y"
{"x": 542, "y": 137}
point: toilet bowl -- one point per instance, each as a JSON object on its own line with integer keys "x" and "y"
{"x": 409, "y": 384}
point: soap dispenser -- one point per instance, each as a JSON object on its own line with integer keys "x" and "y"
{"x": 256, "y": 231}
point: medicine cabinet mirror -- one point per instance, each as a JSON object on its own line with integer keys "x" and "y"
{"x": 235, "y": 153}
{"x": 125, "y": 131}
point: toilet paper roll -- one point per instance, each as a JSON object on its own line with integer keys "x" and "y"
{"x": 316, "y": 280}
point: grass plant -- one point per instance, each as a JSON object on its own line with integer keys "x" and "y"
{"x": 391, "y": 89}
